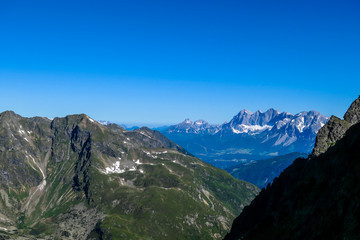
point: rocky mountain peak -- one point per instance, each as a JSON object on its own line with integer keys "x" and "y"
{"x": 335, "y": 128}
{"x": 259, "y": 118}
{"x": 70, "y": 121}
{"x": 8, "y": 115}
{"x": 352, "y": 115}
{"x": 198, "y": 127}
{"x": 272, "y": 111}
{"x": 187, "y": 121}
{"x": 201, "y": 122}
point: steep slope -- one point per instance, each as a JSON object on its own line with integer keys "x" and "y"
{"x": 315, "y": 198}
{"x": 73, "y": 178}
{"x": 262, "y": 172}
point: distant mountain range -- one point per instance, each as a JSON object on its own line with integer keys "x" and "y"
{"x": 248, "y": 136}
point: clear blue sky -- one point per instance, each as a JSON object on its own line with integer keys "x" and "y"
{"x": 163, "y": 61}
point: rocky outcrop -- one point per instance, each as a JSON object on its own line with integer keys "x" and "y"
{"x": 335, "y": 128}
{"x": 353, "y": 114}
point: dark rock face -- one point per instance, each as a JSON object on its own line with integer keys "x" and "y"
{"x": 353, "y": 114}
{"x": 314, "y": 198}
{"x": 14, "y": 131}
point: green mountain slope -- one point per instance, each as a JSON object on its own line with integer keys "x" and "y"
{"x": 72, "y": 178}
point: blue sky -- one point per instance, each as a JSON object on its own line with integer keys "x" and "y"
{"x": 159, "y": 62}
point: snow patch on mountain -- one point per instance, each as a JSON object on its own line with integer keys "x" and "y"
{"x": 242, "y": 128}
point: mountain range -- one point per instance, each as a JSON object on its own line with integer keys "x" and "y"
{"x": 248, "y": 136}
{"x": 74, "y": 178}
{"x": 316, "y": 197}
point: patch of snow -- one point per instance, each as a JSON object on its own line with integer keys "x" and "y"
{"x": 91, "y": 120}
{"x": 160, "y": 152}
{"x": 115, "y": 168}
{"x": 236, "y": 131}
{"x": 42, "y": 185}
{"x": 141, "y": 171}
{"x": 282, "y": 123}
{"x": 145, "y": 134}
{"x": 300, "y": 124}
{"x": 104, "y": 123}
{"x": 138, "y": 162}
{"x": 22, "y": 132}
{"x": 242, "y": 128}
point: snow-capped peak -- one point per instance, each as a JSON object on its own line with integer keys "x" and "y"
{"x": 187, "y": 121}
